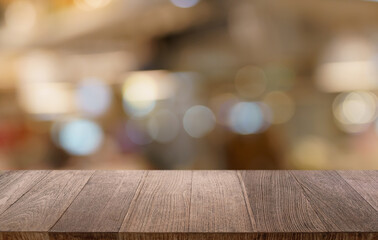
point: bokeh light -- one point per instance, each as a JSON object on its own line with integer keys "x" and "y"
{"x": 81, "y": 137}
{"x": 93, "y": 97}
{"x": 198, "y": 121}
{"x": 222, "y": 105}
{"x": 38, "y": 66}
{"x": 282, "y": 106}
{"x": 46, "y": 100}
{"x": 266, "y": 76}
{"x": 250, "y": 82}
{"x": 20, "y": 16}
{"x": 347, "y": 76}
{"x": 163, "y": 126}
{"x": 348, "y": 64}
{"x": 139, "y": 94}
{"x": 354, "y": 111}
{"x": 137, "y": 132}
{"x": 246, "y": 118}
{"x": 88, "y": 5}
{"x": 311, "y": 152}
{"x": 184, "y": 3}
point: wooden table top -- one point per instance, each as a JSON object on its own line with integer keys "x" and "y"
{"x": 184, "y": 205}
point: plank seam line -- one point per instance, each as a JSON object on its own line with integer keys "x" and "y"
{"x": 190, "y": 200}
{"x": 355, "y": 190}
{"x": 109, "y": 200}
{"x": 135, "y": 196}
{"x": 246, "y": 201}
{"x": 309, "y": 202}
{"x": 71, "y": 202}
{"x": 31, "y": 187}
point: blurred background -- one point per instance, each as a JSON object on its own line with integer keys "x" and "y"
{"x": 188, "y": 84}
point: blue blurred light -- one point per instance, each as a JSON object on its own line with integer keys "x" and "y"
{"x": 93, "y": 97}
{"x": 246, "y": 118}
{"x": 80, "y": 137}
{"x": 184, "y": 3}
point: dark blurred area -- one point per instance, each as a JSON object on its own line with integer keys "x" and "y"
{"x": 188, "y": 84}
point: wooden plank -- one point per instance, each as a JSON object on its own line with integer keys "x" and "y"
{"x": 337, "y": 204}
{"x": 198, "y": 236}
{"x": 83, "y": 236}
{"x": 185, "y": 205}
{"x": 14, "y": 184}
{"x": 278, "y": 203}
{"x": 40, "y": 208}
{"x": 251, "y": 236}
{"x": 217, "y": 203}
{"x": 24, "y": 236}
{"x": 161, "y": 204}
{"x": 100, "y": 207}
{"x": 365, "y": 183}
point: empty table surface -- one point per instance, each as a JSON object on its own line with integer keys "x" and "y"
{"x": 188, "y": 205}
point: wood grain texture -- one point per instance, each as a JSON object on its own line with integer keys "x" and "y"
{"x": 217, "y": 203}
{"x": 195, "y": 236}
{"x": 161, "y": 203}
{"x": 14, "y": 184}
{"x": 101, "y": 206}
{"x": 24, "y": 236}
{"x": 189, "y": 205}
{"x": 278, "y": 203}
{"x": 249, "y": 236}
{"x": 365, "y": 183}
{"x": 40, "y": 208}
{"x": 83, "y": 236}
{"x": 337, "y": 204}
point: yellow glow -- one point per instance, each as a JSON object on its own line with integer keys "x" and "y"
{"x": 88, "y": 5}
{"x": 355, "y": 110}
{"x": 311, "y": 152}
{"x": 46, "y": 99}
{"x": 347, "y": 76}
{"x": 348, "y": 64}
{"x": 140, "y": 93}
{"x": 140, "y": 87}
